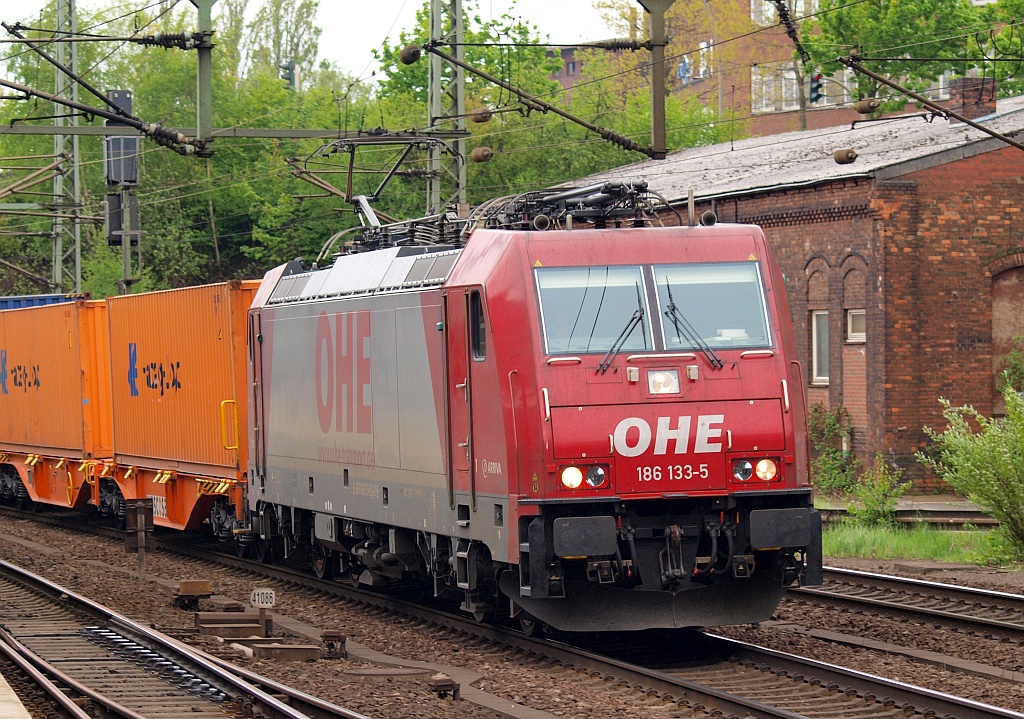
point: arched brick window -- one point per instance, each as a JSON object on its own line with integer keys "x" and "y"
{"x": 854, "y": 347}
{"x": 818, "y": 322}
{"x": 1007, "y": 322}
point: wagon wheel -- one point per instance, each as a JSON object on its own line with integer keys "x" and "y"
{"x": 23, "y": 502}
{"x": 324, "y": 563}
{"x": 241, "y": 548}
{"x": 119, "y": 511}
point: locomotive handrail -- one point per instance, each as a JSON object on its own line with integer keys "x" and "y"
{"x": 662, "y": 355}
{"x": 565, "y": 360}
{"x": 757, "y": 353}
{"x": 224, "y": 424}
{"x": 785, "y": 396}
{"x": 547, "y": 404}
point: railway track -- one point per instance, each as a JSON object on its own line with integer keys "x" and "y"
{"x": 936, "y": 517}
{"x": 708, "y": 673}
{"x": 698, "y": 672}
{"x": 91, "y": 662}
{"x": 999, "y": 614}
{"x": 686, "y": 673}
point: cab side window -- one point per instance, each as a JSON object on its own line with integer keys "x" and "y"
{"x": 477, "y": 326}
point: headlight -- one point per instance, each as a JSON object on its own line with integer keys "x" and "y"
{"x": 766, "y": 470}
{"x": 663, "y": 381}
{"x": 572, "y": 477}
{"x": 742, "y": 470}
{"x": 596, "y": 476}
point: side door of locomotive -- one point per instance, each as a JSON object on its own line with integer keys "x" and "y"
{"x": 463, "y": 335}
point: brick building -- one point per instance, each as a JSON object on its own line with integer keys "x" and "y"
{"x": 904, "y": 268}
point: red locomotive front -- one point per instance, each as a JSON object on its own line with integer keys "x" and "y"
{"x": 657, "y": 420}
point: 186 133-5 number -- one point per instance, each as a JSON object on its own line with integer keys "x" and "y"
{"x": 672, "y": 472}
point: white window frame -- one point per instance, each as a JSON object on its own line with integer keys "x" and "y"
{"x": 773, "y": 88}
{"x": 817, "y": 378}
{"x": 762, "y": 12}
{"x": 705, "y": 58}
{"x": 939, "y": 89}
{"x": 856, "y": 337}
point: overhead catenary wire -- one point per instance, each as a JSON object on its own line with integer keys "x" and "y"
{"x": 157, "y": 133}
{"x": 269, "y": 114}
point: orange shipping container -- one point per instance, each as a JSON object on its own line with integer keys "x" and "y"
{"x": 54, "y": 380}
{"x": 178, "y": 370}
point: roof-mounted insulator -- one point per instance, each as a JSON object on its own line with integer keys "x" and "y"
{"x": 845, "y": 156}
{"x": 867, "y": 105}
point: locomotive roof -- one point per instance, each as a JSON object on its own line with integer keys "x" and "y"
{"x": 887, "y": 148}
{"x": 367, "y": 273}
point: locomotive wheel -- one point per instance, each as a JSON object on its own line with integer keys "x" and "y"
{"x": 264, "y": 550}
{"x": 528, "y": 625}
{"x": 325, "y": 564}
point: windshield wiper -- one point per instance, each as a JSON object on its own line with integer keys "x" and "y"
{"x": 685, "y": 330}
{"x": 636, "y": 319}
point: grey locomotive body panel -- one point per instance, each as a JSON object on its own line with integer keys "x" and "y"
{"x": 355, "y": 423}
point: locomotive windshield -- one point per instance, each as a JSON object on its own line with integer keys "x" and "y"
{"x": 720, "y": 304}
{"x": 587, "y": 309}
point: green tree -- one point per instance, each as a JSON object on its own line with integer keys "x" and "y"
{"x": 1001, "y": 39}
{"x": 533, "y": 148}
{"x": 505, "y": 48}
{"x": 283, "y": 31}
{"x": 907, "y": 30}
{"x": 983, "y": 459}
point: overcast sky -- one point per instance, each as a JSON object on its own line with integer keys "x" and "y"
{"x": 352, "y": 28}
{"x": 351, "y": 31}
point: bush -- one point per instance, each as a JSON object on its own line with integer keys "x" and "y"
{"x": 833, "y": 470}
{"x": 1012, "y": 376}
{"x": 986, "y": 466}
{"x": 877, "y": 491}
{"x": 995, "y": 549}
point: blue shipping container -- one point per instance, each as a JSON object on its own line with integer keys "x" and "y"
{"x": 17, "y": 301}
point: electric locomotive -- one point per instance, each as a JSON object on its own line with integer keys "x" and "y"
{"x": 554, "y": 407}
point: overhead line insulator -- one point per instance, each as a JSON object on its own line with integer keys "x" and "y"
{"x": 181, "y": 40}
{"x": 621, "y": 44}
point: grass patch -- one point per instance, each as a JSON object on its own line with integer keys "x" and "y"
{"x": 847, "y": 539}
